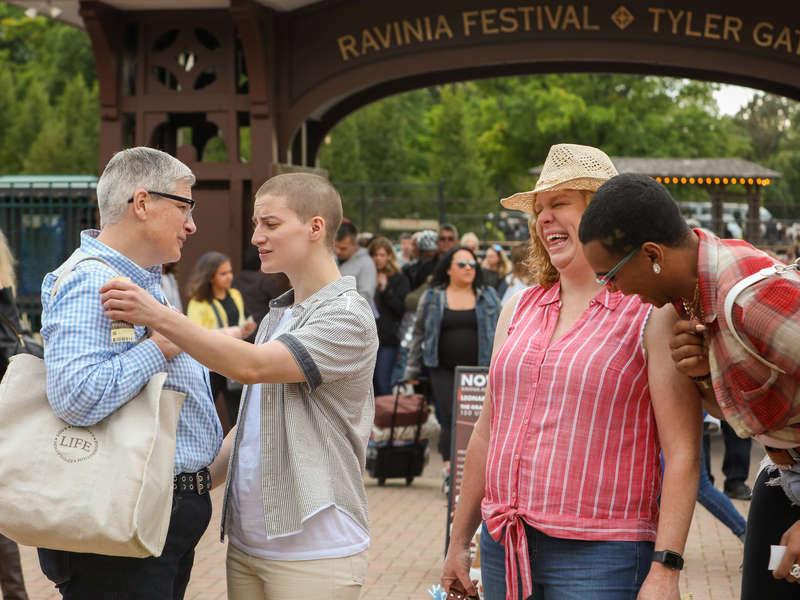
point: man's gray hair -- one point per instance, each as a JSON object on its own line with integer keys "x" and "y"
{"x": 139, "y": 167}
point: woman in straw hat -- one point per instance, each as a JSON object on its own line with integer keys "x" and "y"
{"x": 563, "y": 465}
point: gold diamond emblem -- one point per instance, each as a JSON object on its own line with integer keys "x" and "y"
{"x": 622, "y": 17}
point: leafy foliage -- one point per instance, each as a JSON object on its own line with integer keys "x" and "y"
{"x": 482, "y": 137}
{"x": 49, "y": 113}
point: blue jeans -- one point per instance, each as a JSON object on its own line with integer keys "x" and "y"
{"x": 384, "y": 364}
{"x": 570, "y": 569}
{"x": 716, "y": 502}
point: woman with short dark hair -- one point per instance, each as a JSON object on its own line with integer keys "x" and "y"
{"x": 455, "y": 324}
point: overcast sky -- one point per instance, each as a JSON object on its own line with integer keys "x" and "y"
{"x": 730, "y": 98}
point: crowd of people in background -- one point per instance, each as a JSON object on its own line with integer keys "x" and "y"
{"x": 436, "y": 299}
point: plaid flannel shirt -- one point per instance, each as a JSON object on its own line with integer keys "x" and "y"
{"x": 88, "y": 377}
{"x": 754, "y": 398}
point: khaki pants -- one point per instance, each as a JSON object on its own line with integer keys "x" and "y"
{"x": 252, "y": 578}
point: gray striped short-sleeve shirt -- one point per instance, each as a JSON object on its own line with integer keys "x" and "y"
{"x": 314, "y": 434}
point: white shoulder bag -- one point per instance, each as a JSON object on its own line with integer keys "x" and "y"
{"x": 104, "y": 489}
{"x": 790, "y": 270}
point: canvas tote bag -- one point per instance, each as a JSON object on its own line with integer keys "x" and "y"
{"x": 103, "y": 489}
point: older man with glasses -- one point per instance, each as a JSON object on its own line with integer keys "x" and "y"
{"x": 144, "y": 198}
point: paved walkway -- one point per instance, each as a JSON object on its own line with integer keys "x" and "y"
{"x": 408, "y": 539}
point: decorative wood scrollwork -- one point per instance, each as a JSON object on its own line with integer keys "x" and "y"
{"x": 191, "y": 59}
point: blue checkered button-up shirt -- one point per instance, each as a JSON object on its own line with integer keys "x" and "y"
{"x": 88, "y": 377}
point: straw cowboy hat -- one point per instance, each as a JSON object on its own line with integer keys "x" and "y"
{"x": 567, "y": 167}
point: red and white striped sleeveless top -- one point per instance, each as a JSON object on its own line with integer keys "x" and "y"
{"x": 573, "y": 449}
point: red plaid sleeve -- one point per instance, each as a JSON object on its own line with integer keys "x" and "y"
{"x": 767, "y": 314}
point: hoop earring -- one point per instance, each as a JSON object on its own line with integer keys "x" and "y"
{"x": 656, "y": 268}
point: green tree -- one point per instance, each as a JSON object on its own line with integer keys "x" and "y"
{"x": 27, "y": 119}
{"x": 453, "y": 156}
{"x": 67, "y": 140}
{"x": 484, "y": 136}
{"x": 7, "y": 107}
{"x": 78, "y": 107}
{"x": 766, "y": 120}
{"x": 769, "y": 123}
{"x": 344, "y": 156}
{"x": 48, "y": 151}
{"x": 48, "y": 96}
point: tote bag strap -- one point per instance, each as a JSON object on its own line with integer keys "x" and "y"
{"x": 70, "y": 267}
{"x": 737, "y": 289}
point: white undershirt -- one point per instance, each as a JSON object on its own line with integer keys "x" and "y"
{"x": 328, "y": 533}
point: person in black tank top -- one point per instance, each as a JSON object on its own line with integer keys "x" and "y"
{"x": 455, "y": 306}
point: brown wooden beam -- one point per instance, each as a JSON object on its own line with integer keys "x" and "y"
{"x": 717, "y": 209}
{"x": 103, "y": 24}
{"x": 174, "y": 102}
{"x": 255, "y": 28}
{"x": 753, "y": 224}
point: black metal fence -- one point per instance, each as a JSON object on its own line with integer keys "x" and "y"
{"x": 42, "y": 222}
{"x": 412, "y": 206}
{"x": 366, "y": 204}
{"x": 392, "y": 207}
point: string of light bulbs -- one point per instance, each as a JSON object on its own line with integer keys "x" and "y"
{"x": 762, "y": 181}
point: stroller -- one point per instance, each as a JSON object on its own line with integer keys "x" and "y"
{"x": 396, "y": 448}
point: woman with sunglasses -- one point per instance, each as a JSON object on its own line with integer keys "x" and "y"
{"x": 563, "y": 464}
{"x": 454, "y": 327}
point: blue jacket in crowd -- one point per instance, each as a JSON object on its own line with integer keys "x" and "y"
{"x": 428, "y": 326}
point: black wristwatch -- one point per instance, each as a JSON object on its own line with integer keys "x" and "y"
{"x": 671, "y": 560}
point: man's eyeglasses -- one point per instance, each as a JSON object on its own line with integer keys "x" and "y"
{"x": 463, "y": 264}
{"x": 444, "y": 238}
{"x": 608, "y": 276}
{"x": 183, "y": 199}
